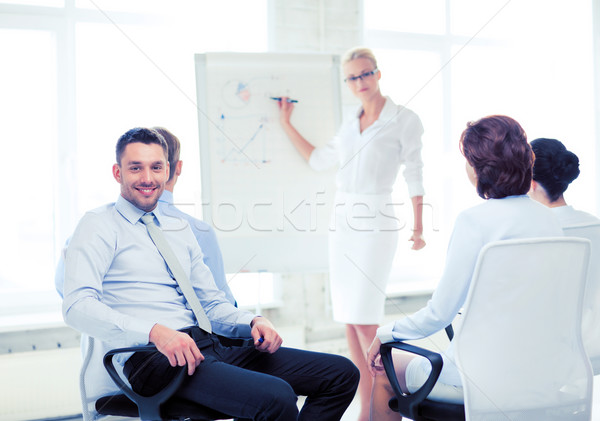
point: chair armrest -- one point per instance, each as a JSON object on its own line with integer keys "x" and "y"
{"x": 148, "y": 406}
{"x": 408, "y": 403}
{"x": 449, "y": 332}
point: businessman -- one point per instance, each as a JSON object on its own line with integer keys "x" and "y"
{"x": 205, "y": 235}
{"x": 120, "y": 290}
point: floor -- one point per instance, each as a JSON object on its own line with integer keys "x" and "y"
{"x": 352, "y": 412}
{"x": 436, "y": 341}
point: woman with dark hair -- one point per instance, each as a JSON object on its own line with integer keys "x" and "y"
{"x": 554, "y": 169}
{"x": 499, "y": 164}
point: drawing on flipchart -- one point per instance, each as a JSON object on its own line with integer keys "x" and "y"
{"x": 236, "y": 94}
{"x": 258, "y": 192}
{"x": 246, "y": 121}
{"x": 247, "y": 141}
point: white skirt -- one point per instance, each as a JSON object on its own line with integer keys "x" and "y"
{"x": 363, "y": 238}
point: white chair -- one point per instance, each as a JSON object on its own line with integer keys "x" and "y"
{"x": 591, "y": 303}
{"x": 520, "y": 350}
{"x": 94, "y": 380}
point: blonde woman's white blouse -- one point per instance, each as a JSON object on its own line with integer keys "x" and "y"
{"x": 369, "y": 161}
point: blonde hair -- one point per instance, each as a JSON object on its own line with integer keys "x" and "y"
{"x": 359, "y": 52}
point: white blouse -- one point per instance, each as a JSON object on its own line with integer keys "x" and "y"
{"x": 495, "y": 219}
{"x": 570, "y": 217}
{"x": 369, "y": 161}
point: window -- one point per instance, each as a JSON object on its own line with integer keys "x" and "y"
{"x": 29, "y": 109}
{"x": 455, "y": 61}
{"x": 76, "y": 74}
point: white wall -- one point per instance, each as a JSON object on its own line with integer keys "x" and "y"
{"x": 39, "y": 384}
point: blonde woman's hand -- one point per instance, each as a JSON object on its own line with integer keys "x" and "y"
{"x": 418, "y": 240}
{"x": 285, "y": 110}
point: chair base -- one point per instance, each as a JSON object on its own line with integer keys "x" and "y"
{"x": 173, "y": 409}
{"x": 436, "y": 411}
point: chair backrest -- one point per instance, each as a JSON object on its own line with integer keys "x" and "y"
{"x": 94, "y": 380}
{"x": 591, "y": 303}
{"x": 87, "y": 350}
{"x": 519, "y": 350}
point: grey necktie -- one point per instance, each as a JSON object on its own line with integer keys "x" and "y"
{"x": 167, "y": 253}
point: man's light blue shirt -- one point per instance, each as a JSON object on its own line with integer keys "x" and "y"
{"x": 117, "y": 286}
{"x": 204, "y": 234}
{"x": 206, "y": 237}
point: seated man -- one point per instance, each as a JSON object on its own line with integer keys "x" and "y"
{"x": 120, "y": 290}
{"x": 203, "y": 232}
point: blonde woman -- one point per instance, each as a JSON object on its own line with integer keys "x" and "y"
{"x": 369, "y": 149}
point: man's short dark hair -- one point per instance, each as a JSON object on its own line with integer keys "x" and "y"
{"x": 141, "y": 135}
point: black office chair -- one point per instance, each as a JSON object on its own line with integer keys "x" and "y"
{"x": 162, "y": 405}
{"x": 415, "y": 405}
{"x": 158, "y": 407}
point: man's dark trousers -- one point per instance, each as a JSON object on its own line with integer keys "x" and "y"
{"x": 245, "y": 383}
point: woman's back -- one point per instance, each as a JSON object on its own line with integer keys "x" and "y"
{"x": 582, "y": 224}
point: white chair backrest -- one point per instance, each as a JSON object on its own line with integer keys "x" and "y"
{"x": 87, "y": 350}
{"x": 94, "y": 380}
{"x": 591, "y": 303}
{"x": 520, "y": 351}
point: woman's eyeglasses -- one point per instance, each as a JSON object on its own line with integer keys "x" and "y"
{"x": 362, "y": 76}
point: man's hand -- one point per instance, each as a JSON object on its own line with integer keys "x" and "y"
{"x": 266, "y": 339}
{"x": 374, "y": 359}
{"x": 177, "y": 346}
